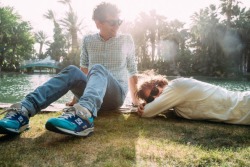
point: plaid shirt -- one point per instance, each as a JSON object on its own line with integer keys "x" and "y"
{"x": 116, "y": 54}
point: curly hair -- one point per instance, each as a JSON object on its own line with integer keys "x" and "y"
{"x": 159, "y": 80}
{"x": 101, "y": 11}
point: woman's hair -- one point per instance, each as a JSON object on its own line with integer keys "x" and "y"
{"x": 149, "y": 80}
{"x": 101, "y": 11}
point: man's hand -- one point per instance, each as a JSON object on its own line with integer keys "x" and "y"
{"x": 72, "y": 102}
{"x": 133, "y": 89}
{"x": 140, "y": 109}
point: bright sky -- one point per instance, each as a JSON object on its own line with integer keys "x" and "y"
{"x": 33, "y": 10}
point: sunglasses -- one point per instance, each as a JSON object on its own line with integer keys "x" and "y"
{"x": 113, "y": 22}
{"x": 154, "y": 92}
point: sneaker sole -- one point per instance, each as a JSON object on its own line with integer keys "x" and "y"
{"x": 13, "y": 131}
{"x": 85, "y": 133}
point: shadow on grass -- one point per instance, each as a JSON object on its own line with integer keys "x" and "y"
{"x": 116, "y": 141}
{"x": 111, "y": 144}
{"x": 8, "y": 138}
{"x": 210, "y": 135}
{"x": 46, "y": 137}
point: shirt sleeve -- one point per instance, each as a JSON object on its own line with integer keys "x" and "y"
{"x": 131, "y": 59}
{"x": 170, "y": 97}
{"x": 84, "y": 57}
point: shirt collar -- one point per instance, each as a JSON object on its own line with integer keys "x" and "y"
{"x": 100, "y": 38}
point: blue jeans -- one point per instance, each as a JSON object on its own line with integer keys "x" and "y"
{"x": 98, "y": 90}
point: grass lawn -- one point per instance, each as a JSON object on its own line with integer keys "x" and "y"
{"x": 126, "y": 140}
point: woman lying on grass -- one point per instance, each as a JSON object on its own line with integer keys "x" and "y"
{"x": 193, "y": 99}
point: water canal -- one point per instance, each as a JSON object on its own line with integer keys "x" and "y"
{"x": 13, "y": 87}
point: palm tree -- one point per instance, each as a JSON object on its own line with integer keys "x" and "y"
{"x": 41, "y": 38}
{"x": 205, "y": 31}
{"x": 57, "y": 48}
{"x": 152, "y": 28}
{"x": 71, "y": 24}
{"x": 242, "y": 23}
{"x": 141, "y": 40}
{"x": 230, "y": 8}
{"x": 51, "y": 16}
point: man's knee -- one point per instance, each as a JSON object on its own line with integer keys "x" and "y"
{"x": 98, "y": 68}
{"x": 70, "y": 69}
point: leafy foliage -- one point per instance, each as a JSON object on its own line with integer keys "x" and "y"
{"x": 216, "y": 43}
{"x": 16, "y": 40}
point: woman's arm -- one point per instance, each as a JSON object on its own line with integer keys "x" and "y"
{"x": 133, "y": 89}
{"x": 72, "y": 102}
{"x": 169, "y": 98}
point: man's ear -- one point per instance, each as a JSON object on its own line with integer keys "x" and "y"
{"x": 98, "y": 24}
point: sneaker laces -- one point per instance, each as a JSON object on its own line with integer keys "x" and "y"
{"x": 71, "y": 111}
{"x": 11, "y": 112}
{"x": 68, "y": 112}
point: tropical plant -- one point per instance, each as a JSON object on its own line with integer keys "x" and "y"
{"x": 205, "y": 34}
{"x": 42, "y": 38}
{"x": 71, "y": 25}
{"x": 58, "y": 46}
{"x": 231, "y": 9}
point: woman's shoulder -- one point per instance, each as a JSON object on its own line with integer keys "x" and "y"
{"x": 180, "y": 79}
{"x": 183, "y": 81}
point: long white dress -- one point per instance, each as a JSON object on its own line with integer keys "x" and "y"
{"x": 193, "y": 99}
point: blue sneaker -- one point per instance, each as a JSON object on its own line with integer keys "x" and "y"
{"x": 75, "y": 120}
{"x": 15, "y": 121}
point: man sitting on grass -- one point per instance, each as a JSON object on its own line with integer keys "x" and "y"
{"x": 193, "y": 99}
{"x": 108, "y": 66}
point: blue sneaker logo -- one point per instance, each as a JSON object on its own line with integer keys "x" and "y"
{"x": 20, "y": 119}
{"x": 78, "y": 121}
